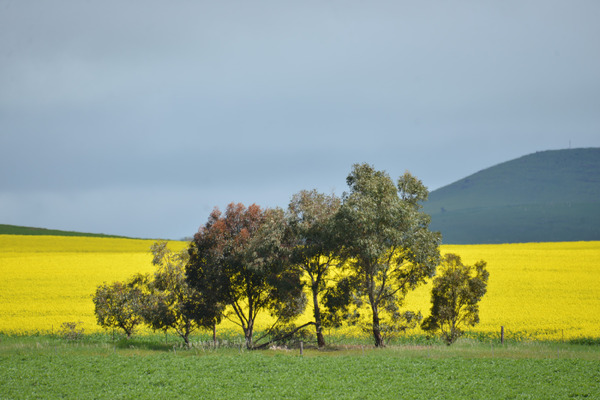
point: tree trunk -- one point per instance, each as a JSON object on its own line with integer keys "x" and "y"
{"x": 374, "y": 308}
{"x": 186, "y": 335}
{"x": 248, "y": 335}
{"x": 376, "y": 331}
{"x": 317, "y": 313}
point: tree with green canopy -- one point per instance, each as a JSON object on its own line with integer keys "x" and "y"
{"x": 171, "y": 302}
{"x": 315, "y": 249}
{"x": 455, "y": 297}
{"x": 118, "y": 305}
{"x": 389, "y": 248}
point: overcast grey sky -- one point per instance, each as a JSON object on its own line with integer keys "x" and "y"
{"x": 138, "y": 117}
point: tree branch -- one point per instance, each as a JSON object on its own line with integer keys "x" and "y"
{"x": 262, "y": 346}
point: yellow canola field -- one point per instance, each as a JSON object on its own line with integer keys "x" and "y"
{"x": 48, "y": 280}
{"x": 539, "y": 290}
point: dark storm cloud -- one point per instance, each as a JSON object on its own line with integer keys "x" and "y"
{"x": 138, "y": 117}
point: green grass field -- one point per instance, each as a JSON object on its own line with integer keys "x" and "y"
{"x": 96, "y": 367}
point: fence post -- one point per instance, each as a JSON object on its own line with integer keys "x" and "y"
{"x": 502, "y": 335}
{"x": 301, "y": 347}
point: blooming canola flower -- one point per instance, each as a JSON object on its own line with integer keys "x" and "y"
{"x": 536, "y": 290}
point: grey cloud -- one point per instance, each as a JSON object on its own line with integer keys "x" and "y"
{"x": 252, "y": 101}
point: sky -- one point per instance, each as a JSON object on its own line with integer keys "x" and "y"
{"x": 137, "y": 118}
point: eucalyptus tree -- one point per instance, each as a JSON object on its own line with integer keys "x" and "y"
{"x": 455, "y": 297}
{"x": 172, "y": 303}
{"x": 388, "y": 245}
{"x": 243, "y": 256}
{"x": 118, "y": 304}
{"x": 315, "y": 248}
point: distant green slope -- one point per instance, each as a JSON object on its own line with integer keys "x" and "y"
{"x": 24, "y": 230}
{"x": 545, "y": 196}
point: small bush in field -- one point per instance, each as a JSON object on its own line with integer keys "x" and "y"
{"x": 71, "y": 330}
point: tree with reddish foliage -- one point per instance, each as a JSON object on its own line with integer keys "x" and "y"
{"x": 243, "y": 257}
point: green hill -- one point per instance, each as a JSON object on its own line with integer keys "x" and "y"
{"x": 545, "y": 196}
{"x": 25, "y": 230}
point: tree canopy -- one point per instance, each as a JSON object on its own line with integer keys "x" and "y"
{"x": 243, "y": 255}
{"x": 117, "y": 305}
{"x": 388, "y": 245}
{"x": 171, "y": 302}
{"x": 455, "y": 297}
{"x": 315, "y": 245}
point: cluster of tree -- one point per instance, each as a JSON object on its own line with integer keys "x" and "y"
{"x": 359, "y": 256}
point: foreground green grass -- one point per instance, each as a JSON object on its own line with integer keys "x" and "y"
{"x": 49, "y": 367}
